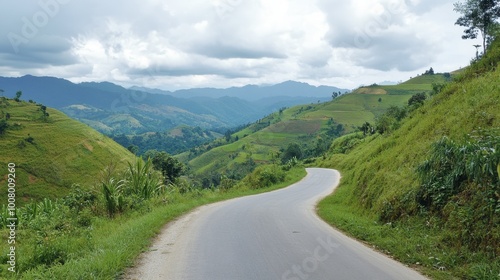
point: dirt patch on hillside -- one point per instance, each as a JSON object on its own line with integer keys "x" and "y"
{"x": 32, "y": 179}
{"x": 371, "y": 91}
{"x": 87, "y": 146}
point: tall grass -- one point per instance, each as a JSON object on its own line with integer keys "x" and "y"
{"x": 113, "y": 196}
{"x": 142, "y": 180}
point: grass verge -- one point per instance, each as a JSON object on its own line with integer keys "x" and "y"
{"x": 115, "y": 243}
{"x": 417, "y": 241}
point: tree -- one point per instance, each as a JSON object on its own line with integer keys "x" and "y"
{"x": 367, "y": 128}
{"x": 3, "y": 126}
{"x": 133, "y": 149}
{"x": 169, "y": 166}
{"x": 478, "y": 16}
{"x": 384, "y": 123}
{"x": 18, "y": 96}
{"x": 292, "y": 151}
{"x": 227, "y": 135}
{"x": 417, "y": 99}
{"x": 44, "y": 111}
{"x": 429, "y": 72}
{"x": 437, "y": 88}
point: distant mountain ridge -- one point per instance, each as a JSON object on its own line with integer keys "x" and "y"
{"x": 253, "y": 92}
{"x": 113, "y": 109}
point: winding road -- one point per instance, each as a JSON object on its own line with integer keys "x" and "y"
{"x": 275, "y": 235}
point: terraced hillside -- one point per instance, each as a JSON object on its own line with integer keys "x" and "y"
{"x": 312, "y": 126}
{"x": 422, "y": 83}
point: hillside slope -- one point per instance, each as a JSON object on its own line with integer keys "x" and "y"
{"x": 52, "y": 153}
{"x": 421, "y": 83}
{"x": 312, "y": 126}
{"x": 451, "y": 230}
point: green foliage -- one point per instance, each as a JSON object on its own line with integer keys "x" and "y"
{"x": 487, "y": 63}
{"x": 292, "y": 151}
{"x": 478, "y": 16}
{"x": 346, "y": 143}
{"x": 142, "y": 180}
{"x": 133, "y": 149}
{"x": 293, "y": 162}
{"x": 18, "y": 96}
{"x": 449, "y": 209}
{"x": 265, "y": 176}
{"x": 389, "y": 121}
{"x": 429, "y": 72}
{"x": 226, "y": 183}
{"x": 452, "y": 165}
{"x": 54, "y": 155}
{"x": 182, "y": 187}
{"x": 174, "y": 141}
{"x": 170, "y": 167}
{"x": 367, "y": 128}
{"x": 112, "y": 191}
{"x": 417, "y": 99}
{"x": 141, "y": 183}
{"x": 460, "y": 182}
{"x": 3, "y": 126}
{"x": 64, "y": 246}
{"x": 49, "y": 253}
{"x": 437, "y": 88}
{"x": 312, "y": 127}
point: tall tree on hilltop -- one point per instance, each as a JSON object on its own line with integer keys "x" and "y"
{"x": 18, "y": 96}
{"x": 479, "y": 16}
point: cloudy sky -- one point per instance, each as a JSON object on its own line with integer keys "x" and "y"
{"x": 222, "y": 43}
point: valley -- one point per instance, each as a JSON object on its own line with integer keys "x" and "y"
{"x": 250, "y": 140}
{"x": 76, "y": 180}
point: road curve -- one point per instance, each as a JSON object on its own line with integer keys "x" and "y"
{"x": 275, "y": 235}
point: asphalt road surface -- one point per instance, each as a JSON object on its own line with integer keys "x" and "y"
{"x": 275, "y": 235}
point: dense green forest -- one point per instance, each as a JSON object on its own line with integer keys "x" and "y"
{"x": 174, "y": 141}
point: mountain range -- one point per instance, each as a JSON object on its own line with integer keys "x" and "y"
{"x": 113, "y": 109}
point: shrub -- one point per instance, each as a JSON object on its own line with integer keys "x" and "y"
{"x": 78, "y": 199}
{"x": 142, "y": 180}
{"x": 453, "y": 164}
{"x": 417, "y": 100}
{"x": 265, "y": 176}
{"x": 226, "y": 183}
{"x": 49, "y": 253}
{"x": 346, "y": 143}
{"x": 290, "y": 164}
{"x": 461, "y": 184}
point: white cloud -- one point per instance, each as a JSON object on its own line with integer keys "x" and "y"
{"x": 223, "y": 43}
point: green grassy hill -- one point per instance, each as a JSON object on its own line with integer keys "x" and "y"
{"x": 448, "y": 227}
{"x": 310, "y": 125}
{"x": 52, "y": 153}
{"x": 421, "y": 83}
